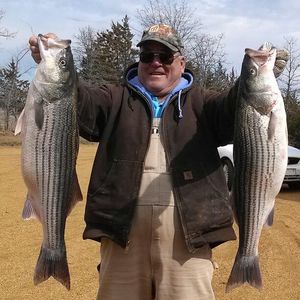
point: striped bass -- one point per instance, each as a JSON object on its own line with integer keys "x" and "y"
{"x": 48, "y": 126}
{"x": 260, "y": 158}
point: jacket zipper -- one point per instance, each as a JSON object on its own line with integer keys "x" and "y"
{"x": 128, "y": 242}
{"x": 176, "y": 196}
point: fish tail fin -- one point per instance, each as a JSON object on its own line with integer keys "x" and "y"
{"x": 245, "y": 269}
{"x": 52, "y": 263}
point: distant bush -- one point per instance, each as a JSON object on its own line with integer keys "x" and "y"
{"x": 8, "y": 138}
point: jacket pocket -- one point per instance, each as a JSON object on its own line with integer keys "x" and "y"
{"x": 201, "y": 179}
{"x": 120, "y": 185}
{"x": 203, "y": 199}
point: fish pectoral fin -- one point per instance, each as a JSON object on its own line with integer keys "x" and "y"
{"x": 28, "y": 211}
{"x": 76, "y": 194}
{"x": 270, "y": 219}
{"x": 18, "y": 128}
{"x": 39, "y": 114}
{"x": 272, "y": 126}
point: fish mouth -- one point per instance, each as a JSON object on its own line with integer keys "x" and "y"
{"x": 43, "y": 45}
{"x": 46, "y": 43}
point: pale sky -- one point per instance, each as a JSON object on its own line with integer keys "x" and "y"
{"x": 243, "y": 23}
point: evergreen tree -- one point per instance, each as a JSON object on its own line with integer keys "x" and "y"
{"x": 110, "y": 54}
{"x": 13, "y": 92}
{"x": 219, "y": 79}
{"x": 212, "y": 76}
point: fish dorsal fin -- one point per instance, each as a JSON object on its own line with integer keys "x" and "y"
{"x": 18, "y": 128}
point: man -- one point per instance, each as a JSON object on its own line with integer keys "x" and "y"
{"x": 157, "y": 199}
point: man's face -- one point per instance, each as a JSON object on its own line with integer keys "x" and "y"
{"x": 157, "y": 77}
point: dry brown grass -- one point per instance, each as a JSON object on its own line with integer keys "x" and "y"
{"x": 21, "y": 240}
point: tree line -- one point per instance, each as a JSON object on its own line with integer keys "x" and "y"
{"x": 102, "y": 56}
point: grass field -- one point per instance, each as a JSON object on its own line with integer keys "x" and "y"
{"x": 21, "y": 240}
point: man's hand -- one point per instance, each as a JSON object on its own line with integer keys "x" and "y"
{"x": 282, "y": 57}
{"x": 34, "y": 47}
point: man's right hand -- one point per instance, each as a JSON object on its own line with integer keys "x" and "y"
{"x": 34, "y": 47}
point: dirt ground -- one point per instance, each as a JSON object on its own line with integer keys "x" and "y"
{"x": 20, "y": 243}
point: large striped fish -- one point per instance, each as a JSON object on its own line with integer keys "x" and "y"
{"x": 260, "y": 158}
{"x": 49, "y": 130}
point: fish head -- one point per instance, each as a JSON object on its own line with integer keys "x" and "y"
{"x": 258, "y": 83}
{"x": 257, "y": 68}
{"x": 57, "y": 64}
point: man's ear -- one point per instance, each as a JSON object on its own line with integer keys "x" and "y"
{"x": 183, "y": 63}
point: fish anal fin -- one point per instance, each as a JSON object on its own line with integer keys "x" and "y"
{"x": 270, "y": 219}
{"x": 28, "y": 211}
{"x": 76, "y": 194}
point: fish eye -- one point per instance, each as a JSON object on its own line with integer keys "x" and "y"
{"x": 252, "y": 71}
{"x": 63, "y": 62}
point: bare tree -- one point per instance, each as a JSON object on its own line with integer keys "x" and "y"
{"x": 290, "y": 87}
{"x": 4, "y": 31}
{"x": 84, "y": 45}
{"x": 204, "y": 52}
{"x": 178, "y": 14}
{"x": 290, "y": 78}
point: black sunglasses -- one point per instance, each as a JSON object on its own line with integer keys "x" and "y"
{"x": 165, "y": 58}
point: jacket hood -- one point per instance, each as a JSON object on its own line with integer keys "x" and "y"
{"x": 133, "y": 81}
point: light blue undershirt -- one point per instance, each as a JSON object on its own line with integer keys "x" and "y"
{"x": 158, "y": 107}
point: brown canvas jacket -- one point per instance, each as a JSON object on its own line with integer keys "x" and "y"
{"x": 119, "y": 118}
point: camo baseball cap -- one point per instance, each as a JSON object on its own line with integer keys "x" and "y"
{"x": 163, "y": 34}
